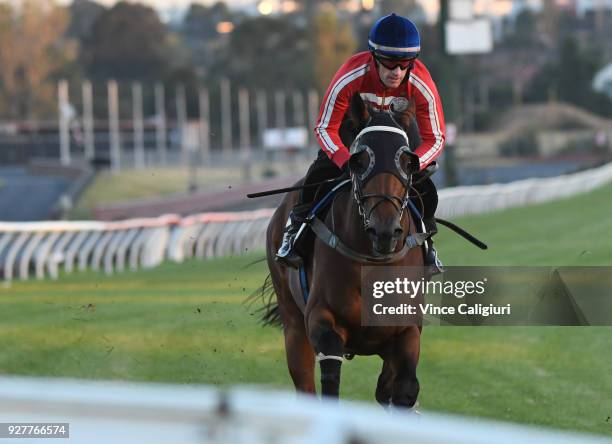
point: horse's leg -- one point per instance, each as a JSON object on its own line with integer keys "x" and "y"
{"x": 300, "y": 354}
{"x": 329, "y": 346}
{"x": 298, "y": 351}
{"x": 384, "y": 387}
{"x": 300, "y": 358}
{"x": 404, "y": 360}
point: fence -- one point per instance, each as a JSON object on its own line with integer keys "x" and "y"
{"x": 148, "y": 134}
{"x": 136, "y": 125}
{"x": 460, "y": 201}
{"x": 40, "y": 247}
{"x": 102, "y": 412}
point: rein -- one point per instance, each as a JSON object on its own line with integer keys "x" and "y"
{"x": 333, "y": 241}
{"x": 399, "y": 203}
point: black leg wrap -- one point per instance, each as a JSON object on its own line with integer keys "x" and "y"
{"x": 384, "y": 386}
{"x": 329, "y": 348}
{"x": 330, "y": 344}
{"x": 330, "y": 377}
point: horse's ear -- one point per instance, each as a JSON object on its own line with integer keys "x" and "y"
{"x": 406, "y": 116}
{"x": 359, "y": 112}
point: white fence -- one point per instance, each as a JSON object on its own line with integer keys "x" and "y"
{"x": 103, "y": 412}
{"x": 460, "y": 201}
{"x": 39, "y": 248}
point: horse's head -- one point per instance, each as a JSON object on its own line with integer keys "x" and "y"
{"x": 381, "y": 167}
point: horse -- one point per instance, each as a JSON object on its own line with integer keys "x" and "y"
{"x": 371, "y": 219}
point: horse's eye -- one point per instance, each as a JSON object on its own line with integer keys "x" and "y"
{"x": 359, "y": 162}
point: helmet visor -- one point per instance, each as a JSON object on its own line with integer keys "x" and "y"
{"x": 391, "y": 64}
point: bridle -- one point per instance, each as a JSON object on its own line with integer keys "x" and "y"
{"x": 386, "y": 164}
{"x": 359, "y": 179}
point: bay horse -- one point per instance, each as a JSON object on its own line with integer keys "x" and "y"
{"x": 371, "y": 219}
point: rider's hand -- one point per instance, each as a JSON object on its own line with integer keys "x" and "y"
{"x": 345, "y": 169}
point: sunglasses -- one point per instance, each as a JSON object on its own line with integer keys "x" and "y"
{"x": 392, "y": 64}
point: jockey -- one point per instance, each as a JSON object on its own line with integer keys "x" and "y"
{"x": 388, "y": 76}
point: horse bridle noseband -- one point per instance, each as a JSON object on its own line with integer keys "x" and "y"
{"x": 398, "y": 203}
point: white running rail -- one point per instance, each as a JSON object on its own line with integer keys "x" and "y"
{"x": 478, "y": 199}
{"x": 125, "y": 413}
{"x": 40, "y": 248}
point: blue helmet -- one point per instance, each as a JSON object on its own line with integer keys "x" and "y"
{"x": 394, "y": 36}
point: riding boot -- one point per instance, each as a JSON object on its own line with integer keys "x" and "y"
{"x": 432, "y": 262}
{"x": 286, "y": 254}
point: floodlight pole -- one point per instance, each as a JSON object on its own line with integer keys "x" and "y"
{"x": 449, "y": 92}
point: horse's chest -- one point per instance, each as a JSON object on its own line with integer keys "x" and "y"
{"x": 369, "y": 340}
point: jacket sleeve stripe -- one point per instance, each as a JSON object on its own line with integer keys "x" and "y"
{"x": 321, "y": 129}
{"x": 433, "y": 116}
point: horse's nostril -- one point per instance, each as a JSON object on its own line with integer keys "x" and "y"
{"x": 371, "y": 232}
{"x": 398, "y": 232}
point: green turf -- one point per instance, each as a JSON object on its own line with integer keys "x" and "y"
{"x": 187, "y": 323}
{"x": 575, "y": 231}
{"x": 152, "y": 183}
{"x": 111, "y": 187}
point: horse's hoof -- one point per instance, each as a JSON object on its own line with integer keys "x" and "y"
{"x": 394, "y": 409}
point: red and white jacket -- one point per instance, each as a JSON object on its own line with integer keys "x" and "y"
{"x": 359, "y": 74}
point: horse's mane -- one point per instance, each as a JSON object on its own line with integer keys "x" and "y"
{"x": 359, "y": 114}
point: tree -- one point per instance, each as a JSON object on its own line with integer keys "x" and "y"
{"x": 574, "y": 73}
{"x": 201, "y": 22}
{"x": 200, "y": 34}
{"x": 83, "y": 14}
{"x": 128, "y": 42}
{"x": 31, "y": 49}
{"x": 267, "y": 52}
{"x": 525, "y": 32}
{"x": 570, "y": 78}
{"x": 550, "y": 23}
{"x": 407, "y": 8}
{"x": 333, "y": 44}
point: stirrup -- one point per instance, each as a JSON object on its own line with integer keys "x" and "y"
{"x": 294, "y": 227}
{"x": 286, "y": 254}
{"x": 433, "y": 264}
{"x": 291, "y": 260}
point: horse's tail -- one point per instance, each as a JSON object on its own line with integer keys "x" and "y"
{"x": 255, "y": 262}
{"x": 268, "y": 313}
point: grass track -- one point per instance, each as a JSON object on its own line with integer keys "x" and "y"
{"x": 187, "y": 323}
